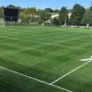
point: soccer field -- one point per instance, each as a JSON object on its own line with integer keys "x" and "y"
{"x": 45, "y": 59}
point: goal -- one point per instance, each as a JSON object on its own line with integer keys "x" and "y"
{"x": 2, "y": 22}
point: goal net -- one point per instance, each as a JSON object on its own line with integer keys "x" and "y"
{"x": 2, "y": 22}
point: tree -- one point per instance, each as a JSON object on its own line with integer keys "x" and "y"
{"x": 43, "y": 16}
{"x": 28, "y": 14}
{"x": 56, "y": 11}
{"x": 63, "y": 15}
{"x": 77, "y": 14}
{"x": 48, "y": 10}
{"x": 87, "y": 19}
{"x": 11, "y": 6}
{"x": 31, "y": 11}
{"x": 1, "y": 12}
{"x": 23, "y": 16}
{"x": 55, "y": 21}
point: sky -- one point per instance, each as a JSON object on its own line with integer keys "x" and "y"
{"x": 41, "y": 4}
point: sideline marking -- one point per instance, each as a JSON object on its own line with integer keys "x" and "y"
{"x": 49, "y": 84}
{"x": 58, "y": 79}
{"x": 87, "y": 59}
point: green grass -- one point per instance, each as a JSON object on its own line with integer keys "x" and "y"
{"x": 46, "y": 53}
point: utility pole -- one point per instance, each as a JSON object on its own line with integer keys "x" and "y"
{"x": 65, "y": 22}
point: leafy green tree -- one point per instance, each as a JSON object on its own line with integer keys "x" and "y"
{"x": 31, "y": 11}
{"x": 63, "y": 15}
{"x": 77, "y": 14}
{"x": 27, "y": 15}
{"x": 43, "y": 16}
{"x": 55, "y": 21}
{"x": 56, "y": 11}
{"x": 23, "y": 16}
{"x": 1, "y": 11}
{"x": 49, "y": 10}
{"x": 11, "y": 6}
{"x": 87, "y": 19}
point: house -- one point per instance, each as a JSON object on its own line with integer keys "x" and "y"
{"x": 56, "y": 15}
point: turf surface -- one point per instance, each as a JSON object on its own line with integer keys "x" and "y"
{"x": 46, "y": 53}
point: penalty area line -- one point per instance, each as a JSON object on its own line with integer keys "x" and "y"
{"x": 33, "y": 78}
{"x": 77, "y": 68}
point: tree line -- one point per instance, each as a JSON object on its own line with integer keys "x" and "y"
{"x": 79, "y": 15}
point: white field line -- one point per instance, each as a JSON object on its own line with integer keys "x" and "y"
{"x": 58, "y": 79}
{"x": 38, "y": 80}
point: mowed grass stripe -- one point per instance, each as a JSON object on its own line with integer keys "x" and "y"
{"x": 44, "y": 53}
{"x": 23, "y": 84}
{"x": 81, "y": 78}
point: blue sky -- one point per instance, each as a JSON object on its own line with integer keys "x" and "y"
{"x": 41, "y": 4}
